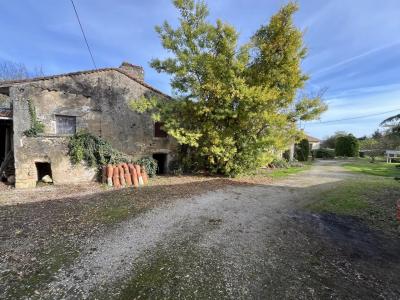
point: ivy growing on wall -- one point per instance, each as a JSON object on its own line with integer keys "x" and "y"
{"x": 37, "y": 126}
{"x": 97, "y": 152}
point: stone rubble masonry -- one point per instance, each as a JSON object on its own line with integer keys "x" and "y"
{"x": 134, "y": 71}
{"x": 99, "y": 101}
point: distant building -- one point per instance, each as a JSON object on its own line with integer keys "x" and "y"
{"x": 314, "y": 142}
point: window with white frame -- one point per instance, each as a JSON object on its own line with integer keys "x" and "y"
{"x": 65, "y": 124}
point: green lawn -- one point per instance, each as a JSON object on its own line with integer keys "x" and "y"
{"x": 283, "y": 172}
{"x": 379, "y": 168}
{"x": 277, "y": 173}
{"x": 371, "y": 199}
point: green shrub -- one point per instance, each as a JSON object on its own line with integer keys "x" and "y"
{"x": 324, "y": 153}
{"x": 280, "y": 163}
{"x": 347, "y": 145}
{"x": 95, "y": 151}
{"x": 303, "y": 150}
{"x": 175, "y": 167}
{"x": 372, "y": 148}
{"x": 286, "y": 155}
{"x": 149, "y": 163}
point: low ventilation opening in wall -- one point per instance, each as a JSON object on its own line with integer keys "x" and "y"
{"x": 43, "y": 170}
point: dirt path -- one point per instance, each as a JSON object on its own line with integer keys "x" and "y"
{"x": 236, "y": 242}
{"x": 12, "y": 196}
{"x": 323, "y": 172}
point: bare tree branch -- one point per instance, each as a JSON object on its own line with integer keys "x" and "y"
{"x": 15, "y": 71}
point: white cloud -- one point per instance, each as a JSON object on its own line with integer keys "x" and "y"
{"x": 353, "y": 58}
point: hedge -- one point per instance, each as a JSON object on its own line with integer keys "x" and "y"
{"x": 303, "y": 150}
{"x": 324, "y": 153}
{"x": 347, "y": 145}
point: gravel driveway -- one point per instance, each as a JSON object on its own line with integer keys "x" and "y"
{"x": 237, "y": 242}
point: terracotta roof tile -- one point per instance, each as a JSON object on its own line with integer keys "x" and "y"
{"x": 312, "y": 139}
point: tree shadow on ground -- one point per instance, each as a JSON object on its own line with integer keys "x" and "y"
{"x": 340, "y": 244}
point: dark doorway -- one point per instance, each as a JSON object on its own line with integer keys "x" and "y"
{"x": 161, "y": 159}
{"x": 5, "y": 138}
{"x": 6, "y": 147}
{"x": 43, "y": 169}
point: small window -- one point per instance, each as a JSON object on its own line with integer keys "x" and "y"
{"x": 158, "y": 132}
{"x": 65, "y": 125}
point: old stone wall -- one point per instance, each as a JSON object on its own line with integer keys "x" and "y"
{"x": 48, "y": 147}
{"x": 99, "y": 101}
{"x": 51, "y": 150}
{"x": 135, "y": 71}
{"x": 5, "y": 100}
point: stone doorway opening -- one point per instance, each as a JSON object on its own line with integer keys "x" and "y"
{"x": 43, "y": 170}
{"x": 6, "y": 150}
{"x": 161, "y": 159}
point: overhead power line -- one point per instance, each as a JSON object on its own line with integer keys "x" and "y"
{"x": 83, "y": 33}
{"x": 354, "y": 118}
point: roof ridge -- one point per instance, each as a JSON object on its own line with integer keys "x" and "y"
{"x": 312, "y": 138}
{"x": 76, "y": 73}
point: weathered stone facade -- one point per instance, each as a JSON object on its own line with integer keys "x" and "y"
{"x": 98, "y": 100}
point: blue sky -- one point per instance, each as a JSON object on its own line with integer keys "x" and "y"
{"x": 354, "y": 46}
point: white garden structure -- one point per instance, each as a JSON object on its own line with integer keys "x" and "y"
{"x": 391, "y": 154}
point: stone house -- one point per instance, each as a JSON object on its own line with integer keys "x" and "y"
{"x": 95, "y": 101}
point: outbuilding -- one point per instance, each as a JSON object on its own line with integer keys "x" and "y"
{"x": 96, "y": 101}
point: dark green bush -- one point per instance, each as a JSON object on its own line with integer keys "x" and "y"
{"x": 303, "y": 150}
{"x": 96, "y": 152}
{"x": 286, "y": 155}
{"x": 175, "y": 167}
{"x": 324, "y": 153}
{"x": 347, "y": 146}
{"x": 149, "y": 163}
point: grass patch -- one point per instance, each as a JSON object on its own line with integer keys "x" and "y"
{"x": 112, "y": 214}
{"x": 181, "y": 272}
{"x": 371, "y": 199}
{"x": 379, "y": 168}
{"x": 277, "y": 173}
{"x": 44, "y": 264}
{"x": 114, "y": 207}
{"x": 282, "y": 173}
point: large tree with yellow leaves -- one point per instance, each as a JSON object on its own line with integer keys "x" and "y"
{"x": 234, "y": 105}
